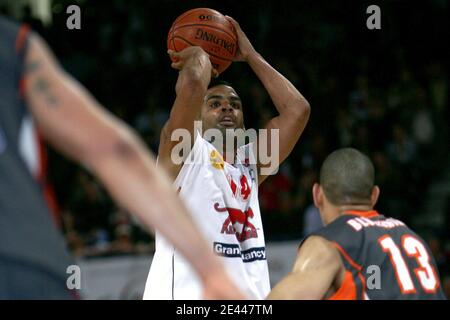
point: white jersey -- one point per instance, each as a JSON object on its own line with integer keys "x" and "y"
{"x": 223, "y": 202}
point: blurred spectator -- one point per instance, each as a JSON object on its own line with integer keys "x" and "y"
{"x": 4, "y": 10}
{"x": 446, "y": 285}
{"x": 402, "y": 149}
{"x": 423, "y": 127}
{"x": 75, "y": 241}
{"x": 303, "y": 191}
{"x": 438, "y": 85}
{"x": 90, "y": 204}
{"x": 436, "y": 249}
{"x": 311, "y": 220}
{"x": 123, "y": 243}
{"x": 344, "y": 127}
{"x": 377, "y": 123}
{"x": 272, "y": 191}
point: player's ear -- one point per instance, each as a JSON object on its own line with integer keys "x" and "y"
{"x": 374, "y": 196}
{"x": 317, "y": 194}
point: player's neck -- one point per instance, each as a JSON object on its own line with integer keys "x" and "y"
{"x": 332, "y": 212}
{"x": 361, "y": 207}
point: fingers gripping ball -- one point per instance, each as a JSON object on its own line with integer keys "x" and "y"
{"x": 208, "y": 29}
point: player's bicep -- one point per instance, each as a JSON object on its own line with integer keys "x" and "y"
{"x": 65, "y": 113}
{"x": 316, "y": 266}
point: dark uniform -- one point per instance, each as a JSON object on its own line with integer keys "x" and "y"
{"x": 33, "y": 255}
{"x": 383, "y": 258}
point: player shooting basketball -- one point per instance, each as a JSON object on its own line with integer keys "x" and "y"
{"x": 222, "y": 197}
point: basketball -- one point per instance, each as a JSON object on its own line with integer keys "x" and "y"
{"x": 208, "y": 29}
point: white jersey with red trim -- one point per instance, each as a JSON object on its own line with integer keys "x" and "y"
{"x": 223, "y": 202}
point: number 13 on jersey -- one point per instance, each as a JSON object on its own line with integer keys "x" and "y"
{"x": 413, "y": 248}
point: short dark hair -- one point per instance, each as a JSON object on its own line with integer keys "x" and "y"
{"x": 347, "y": 177}
{"x": 216, "y": 82}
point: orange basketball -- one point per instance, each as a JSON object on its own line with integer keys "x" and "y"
{"x": 208, "y": 29}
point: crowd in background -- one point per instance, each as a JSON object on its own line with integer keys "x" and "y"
{"x": 384, "y": 92}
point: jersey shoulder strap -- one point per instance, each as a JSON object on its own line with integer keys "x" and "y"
{"x": 341, "y": 232}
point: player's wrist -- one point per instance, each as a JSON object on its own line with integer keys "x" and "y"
{"x": 214, "y": 280}
{"x": 211, "y": 271}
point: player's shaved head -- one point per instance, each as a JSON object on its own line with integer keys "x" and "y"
{"x": 347, "y": 177}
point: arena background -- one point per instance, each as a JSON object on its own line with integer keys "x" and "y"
{"x": 384, "y": 92}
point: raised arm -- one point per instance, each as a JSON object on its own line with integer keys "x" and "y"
{"x": 193, "y": 80}
{"x": 292, "y": 107}
{"x": 317, "y": 267}
{"x": 75, "y": 124}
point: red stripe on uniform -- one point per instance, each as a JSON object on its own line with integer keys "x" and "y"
{"x": 21, "y": 36}
{"x": 20, "y": 41}
{"x": 365, "y": 214}
{"x": 22, "y": 87}
{"x": 49, "y": 193}
{"x": 354, "y": 265}
{"x": 347, "y": 257}
{"x": 347, "y": 291}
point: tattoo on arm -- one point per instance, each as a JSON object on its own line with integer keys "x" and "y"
{"x": 32, "y": 66}
{"x": 41, "y": 86}
{"x": 125, "y": 150}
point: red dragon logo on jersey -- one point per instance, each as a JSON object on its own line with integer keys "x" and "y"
{"x": 240, "y": 217}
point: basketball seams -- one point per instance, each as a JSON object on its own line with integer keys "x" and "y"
{"x": 174, "y": 47}
{"x": 205, "y": 25}
{"x": 173, "y": 43}
{"x": 182, "y": 16}
{"x": 191, "y": 44}
{"x": 190, "y": 35}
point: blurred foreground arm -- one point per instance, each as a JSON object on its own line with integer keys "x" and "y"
{"x": 75, "y": 124}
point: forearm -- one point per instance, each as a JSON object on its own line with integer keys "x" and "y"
{"x": 190, "y": 92}
{"x": 298, "y": 287}
{"x": 191, "y": 86}
{"x": 286, "y": 98}
{"x": 130, "y": 176}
